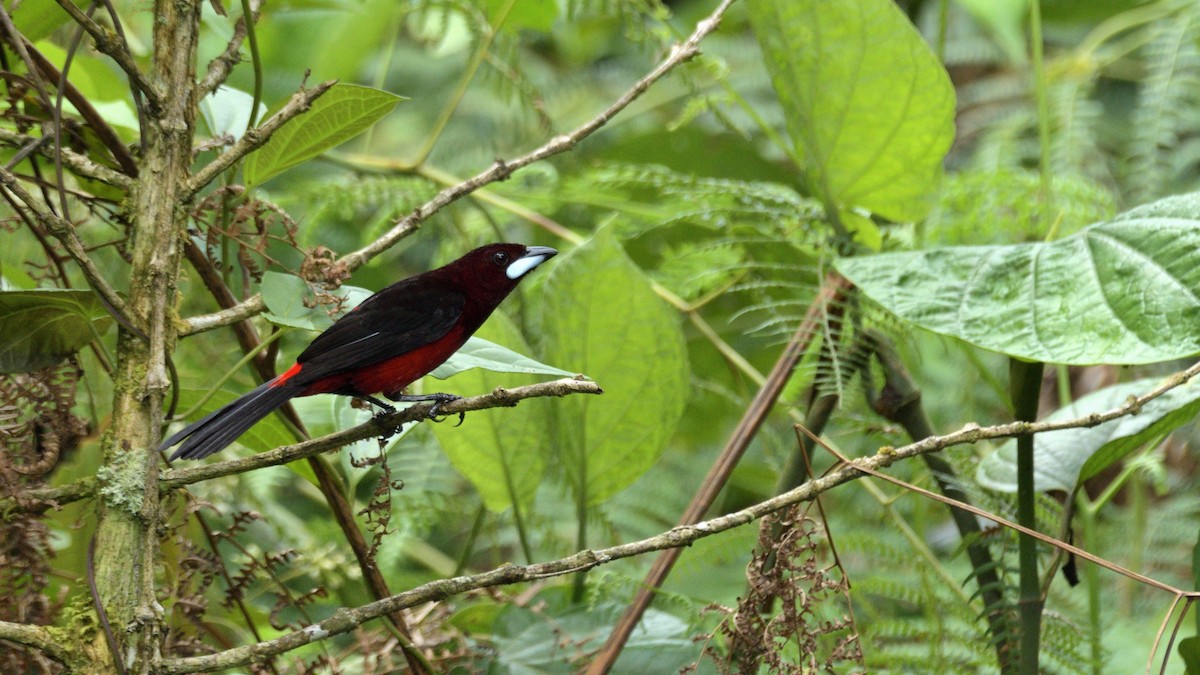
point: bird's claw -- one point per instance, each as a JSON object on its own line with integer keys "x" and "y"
{"x": 437, "y": 404}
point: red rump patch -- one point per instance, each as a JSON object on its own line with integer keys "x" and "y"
{"x": 286, "y": 376}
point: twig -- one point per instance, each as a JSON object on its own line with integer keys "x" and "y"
{"x": 80, "y": 164}
{"x": 109, "y": 44}
{"x": 345, "y": 620}
{"x": 108, "y": 137}
{"x": 379, "y": 426}
{"x": 236, "y": 314}
{"x": 220, "y": 67}
{"x": 256, "y": 137}
{"x": 500, "y": 170}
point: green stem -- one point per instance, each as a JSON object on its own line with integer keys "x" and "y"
{"x": 1025, "y": 384}
{"x": 256, "y": 61}
{"x": 1091, "y": 576}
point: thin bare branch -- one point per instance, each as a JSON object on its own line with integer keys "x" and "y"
{"x": 79, "y": 164}
{"x": 111, "y": 45}
{"x": 381, "y": 425}
{"x": 256, "y": 137}
{"x": 499, "y": 171}
{"x": 502, "y": 169}
{"x": 224, "y": 63}
{"x": 226, "y": 317}
{"x": 37, "y": 499}
{"x": 345, "y": 620}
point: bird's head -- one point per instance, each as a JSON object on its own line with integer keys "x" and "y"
{"x": 494, "y": 270}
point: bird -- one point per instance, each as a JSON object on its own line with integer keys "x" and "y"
{"x": 386, "y": 343}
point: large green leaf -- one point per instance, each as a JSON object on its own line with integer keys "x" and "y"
{"x": 601, "y": 316}
{"x": 340, "y": 114}
{"x": 39, "y": 328}
{"x": 1124, "y": 291}
{"x": 502, "y": 451}
{"x": 869, "y": 107}
{"x": 480, "y": 353}
{"x": 1064, "y": 458}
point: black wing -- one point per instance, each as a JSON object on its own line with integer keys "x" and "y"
{"x": 394, "y": 321}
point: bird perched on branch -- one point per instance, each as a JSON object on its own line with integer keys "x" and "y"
{"x": 380, "y": 347}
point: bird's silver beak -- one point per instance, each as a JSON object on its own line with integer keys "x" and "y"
{"x": 534, "y": 256}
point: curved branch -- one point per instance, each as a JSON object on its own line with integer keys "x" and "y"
{"x": 500, "y": 170}
{"x": 256, "y": 137}
{"x": 345, "y": 620}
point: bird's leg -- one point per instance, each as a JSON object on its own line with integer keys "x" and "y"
{"x": 438, "y": 401}
{"x": 387, "y": 407}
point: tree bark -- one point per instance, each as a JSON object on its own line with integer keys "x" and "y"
{"x": 126, "y": 541}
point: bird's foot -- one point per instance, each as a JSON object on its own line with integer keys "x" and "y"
{"x": 438, "y": 401}
{"x": 437, "y": 404}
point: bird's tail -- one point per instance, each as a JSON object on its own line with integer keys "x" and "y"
{"x": 219, "y": 429}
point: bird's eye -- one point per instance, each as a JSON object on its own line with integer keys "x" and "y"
{"x": 500, "y": 258}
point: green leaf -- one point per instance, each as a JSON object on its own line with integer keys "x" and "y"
{"x": 39, "y": 328}
{"x": 1125, "y": 291}
{"x": 285, "y": 295}
{"x": 227, "y": 110}
{"x": 480, "y": 353}
{"x": 601, "y": 316}
{"x": 1064, "y": 458}
{"x": 341, "y": 113}
{"x": 502, "y": 451}
{"x": 869, "y": 107}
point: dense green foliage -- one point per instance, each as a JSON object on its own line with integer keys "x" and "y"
{"x": 987, "y": 201}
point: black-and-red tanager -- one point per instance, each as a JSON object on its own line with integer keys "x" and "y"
{"x": 380, "y": 347}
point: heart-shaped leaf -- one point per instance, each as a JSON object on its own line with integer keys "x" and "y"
{"x": 1124, "y": 291}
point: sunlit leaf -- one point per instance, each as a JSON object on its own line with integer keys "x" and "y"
{"x": 341, "y": 113}
{"x": 480, "y": 353}
{"x": 869, "y": 107}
